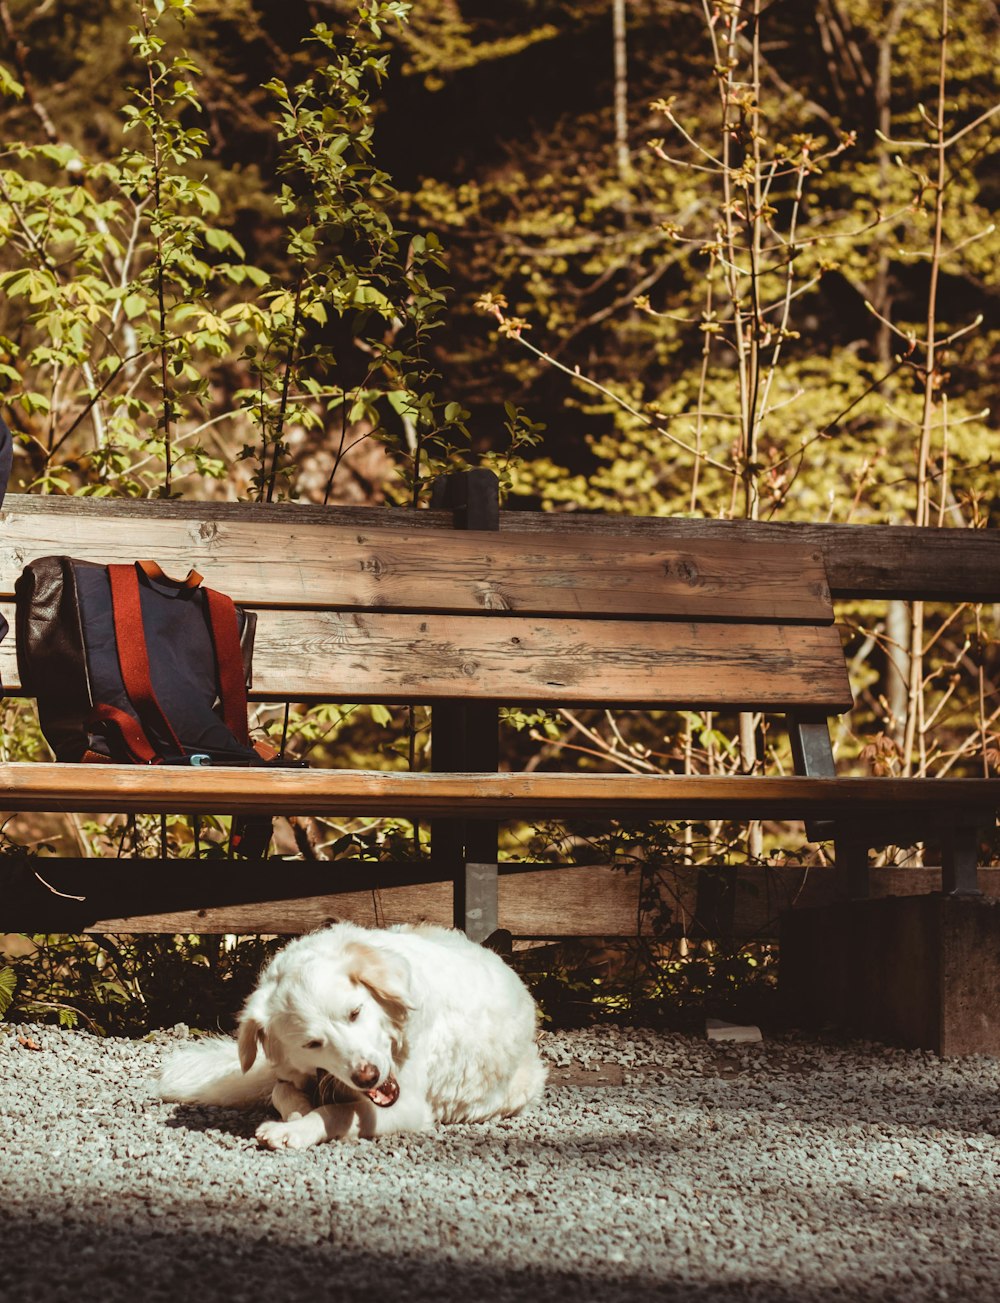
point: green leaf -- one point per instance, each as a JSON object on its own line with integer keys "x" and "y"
{"x": 134, "y": 305}
{"x": 401, "y": 401}
{"x": 9, "y": 85}
{"x": 8, "y": 984}
{"x": 221, "y": 240}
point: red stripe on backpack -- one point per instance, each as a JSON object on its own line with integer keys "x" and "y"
{"x": 133, "y": 658}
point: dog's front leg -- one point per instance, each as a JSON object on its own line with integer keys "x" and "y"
{"x": 299, "y": 1129}
{"x": 290, "y": 1100}
{"x": 301, "y": 1124}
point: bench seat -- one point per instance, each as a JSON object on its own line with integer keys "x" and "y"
{"x": 233, "y": 790}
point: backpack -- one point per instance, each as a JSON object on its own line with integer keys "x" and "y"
{"x": 6, "y": 463}
{"x": 130, "y": 666}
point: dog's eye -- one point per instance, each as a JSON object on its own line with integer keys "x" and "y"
{"x": 355, "y": 1014}
{"x": 314, "y": 1045}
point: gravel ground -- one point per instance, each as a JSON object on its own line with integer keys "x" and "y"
{"x": 658, "y": 1166}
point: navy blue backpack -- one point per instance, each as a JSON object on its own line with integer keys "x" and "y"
{"x": 128, "y": 665}
{"x": 6, "y": 462}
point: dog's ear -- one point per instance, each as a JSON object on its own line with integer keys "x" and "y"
{"x": 386, "y": 975}
{"x": 251, "y": 1036}
{"x": 253, "y": 1020}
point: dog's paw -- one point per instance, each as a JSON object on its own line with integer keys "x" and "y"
{"x": 282, "y": 1135}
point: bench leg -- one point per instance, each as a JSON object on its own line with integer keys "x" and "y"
{"x": 852, "y": 865}
{"x": 812, "y": 755}
{"x": 476, "y": 908}
{"x": 959, "y": 856}
{"x": 465, "y": 735}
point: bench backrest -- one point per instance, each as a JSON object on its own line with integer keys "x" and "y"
{"x": 398, "y": 607}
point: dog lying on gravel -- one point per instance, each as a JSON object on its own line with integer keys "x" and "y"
{"x": 391, "y": 1030}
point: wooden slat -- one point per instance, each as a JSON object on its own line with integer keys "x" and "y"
{"x": 105, "y": 788}
{"x": 179, "y": 896}
{"x": 415, "y": 658}
{"x": 568, "y": 901}
{"x": 879, "y": 561}
{"x": 322, "y": 656}
{"x": 218, "y": 512}
{"x": 297, "y": 564}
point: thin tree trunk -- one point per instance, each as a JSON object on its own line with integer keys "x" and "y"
{"x": 938, "y": 183}
{"x": 623, "y": 159}
{"x": 898, "y": 629}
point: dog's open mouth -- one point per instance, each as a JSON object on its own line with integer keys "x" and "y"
{"x": 386, "y": 1094}
{"x": 330, "y": 1090}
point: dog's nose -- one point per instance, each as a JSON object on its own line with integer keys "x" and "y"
{"x": 365, "y": 1075}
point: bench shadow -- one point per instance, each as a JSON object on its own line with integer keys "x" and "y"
{"x": 207, "y": 1119}
{"x": 119, "y": 1262}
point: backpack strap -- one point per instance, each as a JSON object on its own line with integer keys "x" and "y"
{"x": 132, "y": 735}
{"x": 6, "y": 461}
{"x": 133, "y": 658}
{"x": 6, "y": 457}
{"x": 225, "y": 629}
{"x": 154, "y": 571}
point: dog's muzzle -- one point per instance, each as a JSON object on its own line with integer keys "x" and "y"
{"x": 331, "y": 1090}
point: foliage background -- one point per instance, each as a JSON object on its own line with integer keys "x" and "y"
{"x": 497, "y": 127}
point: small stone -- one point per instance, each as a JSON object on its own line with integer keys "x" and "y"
{"x": 718, "y": 1030}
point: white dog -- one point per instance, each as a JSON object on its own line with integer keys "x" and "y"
{"x": 394, "y": 1029}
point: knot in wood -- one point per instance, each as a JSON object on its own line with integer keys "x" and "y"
{"x": 373, "y": 566}
{"x": 491, "y": 597}
{"x": 682, "y": 567}
{"x": 207, "y": 530}
{"x": 470, "y": 669}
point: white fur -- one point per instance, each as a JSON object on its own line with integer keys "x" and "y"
{"x": 448, "y": 1020}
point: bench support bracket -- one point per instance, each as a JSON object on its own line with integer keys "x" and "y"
{"x": 812, "y": 756}
{"x": 476, "y": 901}
{"x": 959, "y": 855}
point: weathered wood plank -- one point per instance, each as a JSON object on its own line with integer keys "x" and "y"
{"x": 329, "y": 656}
{"x": 427, "y": 903}
{"x": 154, "y": 789}
{"x": 569, "y": 901}
{"x": 387, "y": 657}
{"x": 278, "y": 563}
{"x": 142, "y": 510}
{"x": 565, "y": 902}
{"x": 879, "y": 561}
{"x": 178, "y": 895}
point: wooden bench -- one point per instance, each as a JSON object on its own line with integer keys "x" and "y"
{"x": 443, "y": 607}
